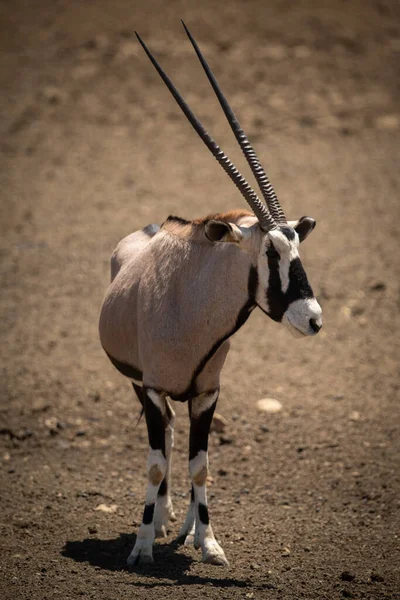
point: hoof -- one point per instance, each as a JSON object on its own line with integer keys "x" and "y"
{"x": 189, "y": 540}
{"x": 134, "y": 560}
{"x": 214, "y": 555}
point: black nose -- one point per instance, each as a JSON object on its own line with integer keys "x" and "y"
{"x": 314, "y": 325}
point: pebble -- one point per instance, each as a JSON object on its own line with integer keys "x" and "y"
{"x": 107, "y": 509}
{"x": 301, "y": 51}
{"x": 286, "y": 552}
{"x": 275, "y": 51}
{"x": 92, "y": 529}
{"x": 377, "y": 286}
{"x": 219, "y": 423}
{"x": 224, "y": 440}
{"x": 354, "y": 416}
{"x": 347, "y": 576}
{"x": 388, "y": 122}
{"x": 376, "y": 577}
{"x": 269, "y": 405}
{"x": 53, "y": 95}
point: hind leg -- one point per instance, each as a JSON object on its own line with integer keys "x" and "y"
{"x": 164, "y": 511}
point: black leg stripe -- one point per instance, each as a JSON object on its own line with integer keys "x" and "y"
{"x": 148, "y": 514}
{"x": 162, "y": 491}
{"x": 199, "y": 430}
{"x": 203, "y": 514}
{"x": 155, "y": 424}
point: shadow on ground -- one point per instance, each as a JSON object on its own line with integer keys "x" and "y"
{"x": 170, "y": 564}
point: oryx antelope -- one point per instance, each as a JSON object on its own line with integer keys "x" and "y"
{"x": 178, "y": 292}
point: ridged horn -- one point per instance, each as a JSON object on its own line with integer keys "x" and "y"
{"x": 265, "y": 219}
{"x": 266, "y": 188}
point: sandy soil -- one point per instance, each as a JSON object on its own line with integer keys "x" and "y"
{"x": 306, "y": 501}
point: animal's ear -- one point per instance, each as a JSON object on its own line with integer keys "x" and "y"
{"x": 303, "y": 226}
{"x": 222, "y": 231}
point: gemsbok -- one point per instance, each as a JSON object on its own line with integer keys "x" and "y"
{"x": 178, "y": 292}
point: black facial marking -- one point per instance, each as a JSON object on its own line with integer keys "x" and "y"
{"x": 199, "y": 430}
{"x": 203, "y": 514}
{"x": 127, "y": 370}
{"x": 298, "y": 282}
{"x": 192, "y": 495}
{"x": 288, "y": 232}
{"x": 162, "y": 490}
{"x": 299, "y": 288}
{"x": 148, "y": 514}
{"x": 252, "y": 284}
{"x": 155, "y": 424}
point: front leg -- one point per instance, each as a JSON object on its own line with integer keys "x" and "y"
{"x": 201, "y": 413}
{"x": 155, "y": 412}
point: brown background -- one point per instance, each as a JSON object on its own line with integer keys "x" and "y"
{"x": 92, "y": 148}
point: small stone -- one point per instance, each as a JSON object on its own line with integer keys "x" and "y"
{"x": 53, "y": 95}
{"x": 301, "y": 51}
{"x": 275, "y": 51}
{"x": 224, "y": 440}
{"x": 376, "y": 577}
{"x": 107, "y": 509}
{"x": 11, "y": 470}
{"x": 337, "y": 397}
{"x": 354, "y": 416}
{"x": 388, "y": 122}
{"x": 347, "y": 576}
{"x": 254, "y": 566}
{"x": 219, "y": 423}
{"x": 92, "y": 529}
{"x": 264, "y": 428}
{"x": 378, "y": 286}
{"x": 285, "y": 552}
{"x": 269, "y": 405}
{"x": 40, "y": 405}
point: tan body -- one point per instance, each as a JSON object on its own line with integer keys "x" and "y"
{"x": 175, "y": 297}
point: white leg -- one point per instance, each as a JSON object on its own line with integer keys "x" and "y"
{"x": 186, "y": 533}
{"x": 154, "y": 409}
{"x": 202, "y": 410}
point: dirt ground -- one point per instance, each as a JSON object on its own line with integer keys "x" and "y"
{"x": 306, "y": 501}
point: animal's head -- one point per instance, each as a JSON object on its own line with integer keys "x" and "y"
{"x": 283, "y": 290}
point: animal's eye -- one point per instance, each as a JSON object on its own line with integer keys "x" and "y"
{"x": 272, "y": 253}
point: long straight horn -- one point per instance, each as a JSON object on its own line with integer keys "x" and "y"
{"x": 251, "y": 157}
{"x": 260, "y": 210}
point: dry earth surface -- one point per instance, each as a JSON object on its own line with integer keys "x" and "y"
{"x": 306, "y": 501}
